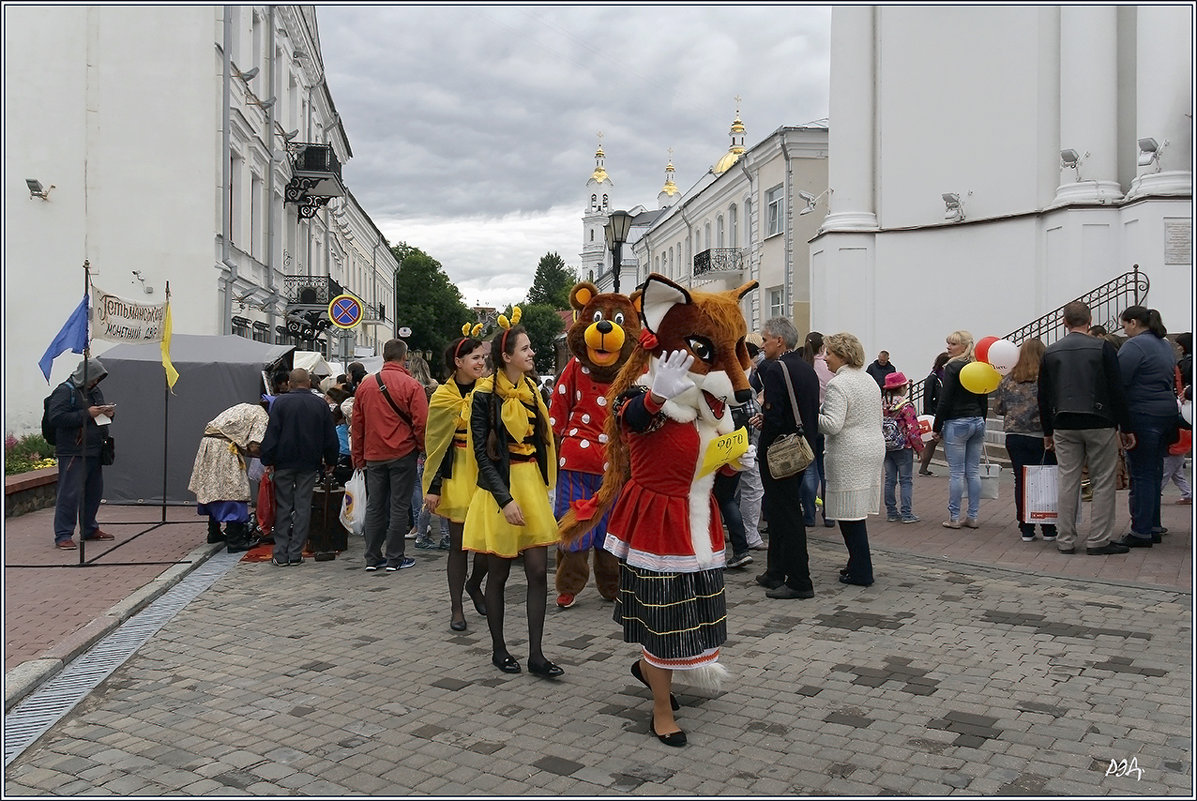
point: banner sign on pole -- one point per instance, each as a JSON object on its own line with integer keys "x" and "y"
{"x": 118, "y": 319}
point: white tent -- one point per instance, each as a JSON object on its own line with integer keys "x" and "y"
{"x": 314, "y": 363}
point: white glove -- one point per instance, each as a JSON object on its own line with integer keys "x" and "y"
{"x": 749, "y": 455}
{"x": 671, "y": 379}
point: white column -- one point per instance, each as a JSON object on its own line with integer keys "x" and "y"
{"x": 1089, "y": 103}
{"x": 1164, "y": 98}
{"x": 850, "y": 163}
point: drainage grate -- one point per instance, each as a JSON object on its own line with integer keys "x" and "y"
{"x": 33, "y": 716}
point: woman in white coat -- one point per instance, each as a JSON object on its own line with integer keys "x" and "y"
{"x": 850, "y": 419}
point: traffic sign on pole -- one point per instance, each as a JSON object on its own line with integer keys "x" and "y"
{"x": 345, "y": 311}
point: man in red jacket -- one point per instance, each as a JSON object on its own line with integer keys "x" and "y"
{"x": 386, "y": 437}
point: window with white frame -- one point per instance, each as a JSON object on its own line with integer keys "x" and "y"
{"x": 706, "y": 236}
{"x": 776, "y": 302}
{"x": 775, "y": 211}
{"x": 719, "y": 231}
{"x": 732, "y": 222}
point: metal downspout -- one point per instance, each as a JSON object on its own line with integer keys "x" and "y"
{"x": 753, "y": 268}
{"x": 270, "y": 123}
{"x": 228, "y": 268}
{"x": 788, "y": 266}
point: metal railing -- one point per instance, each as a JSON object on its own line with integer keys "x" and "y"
{"x": 1106, "y": 303}
{"x": 719, "y": 260}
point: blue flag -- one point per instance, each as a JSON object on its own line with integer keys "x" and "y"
{"x": 72, "y": 337}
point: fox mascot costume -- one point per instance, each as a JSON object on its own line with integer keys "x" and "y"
{"x": 669, "y": 403}
{"x": 606, "y": 327}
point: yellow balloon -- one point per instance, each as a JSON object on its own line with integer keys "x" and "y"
{"x": 980, "y": 378}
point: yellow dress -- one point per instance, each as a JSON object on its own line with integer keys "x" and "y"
{"x": 448, "y": 423}
{"x": 486, "y": 529}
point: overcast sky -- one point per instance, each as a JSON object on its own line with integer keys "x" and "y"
{"x": 474, "y": 128}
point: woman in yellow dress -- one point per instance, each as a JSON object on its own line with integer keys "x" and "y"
{"x": 510, "y": 514}
{"x": 451, "y": 472}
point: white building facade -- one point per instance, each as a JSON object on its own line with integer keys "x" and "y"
{"x": 1065, "y": 135}
{"x": 744, "y": 220}
{"x": 175, "y": 139}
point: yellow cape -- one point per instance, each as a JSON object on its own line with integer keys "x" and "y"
{"x": 447, "y": 410}
{"x": 513, "y": 410}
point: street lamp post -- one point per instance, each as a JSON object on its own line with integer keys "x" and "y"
{"x": 616, "y": 230}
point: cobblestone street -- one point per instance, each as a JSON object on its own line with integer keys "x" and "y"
{"x": 940, "y": 679}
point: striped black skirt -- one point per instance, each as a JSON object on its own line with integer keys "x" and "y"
{"x": 680, "y": 619}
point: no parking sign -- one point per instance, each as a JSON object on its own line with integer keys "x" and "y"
{"x": 345, "y": 311}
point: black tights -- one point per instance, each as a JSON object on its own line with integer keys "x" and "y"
{"x": 457, "y": 566}
{"x": 536, "y": 561}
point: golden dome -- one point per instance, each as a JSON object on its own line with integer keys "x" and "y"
{"x": 670, "y": 188}
{"x": 598, "y": 154}
{"x": 737, "y": 126}
{"x": 729, "y": 159}
{"x": 599, "y": 175}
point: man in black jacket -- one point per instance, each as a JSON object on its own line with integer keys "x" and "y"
{"x": 880, "y": 368}
{"x": 787, "y": 571}
{"x": 72, "y": 413}
{"x": 299, "y": 436}
{"x": 1081, "y": 405}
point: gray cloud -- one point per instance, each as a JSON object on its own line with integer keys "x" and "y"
{"x": 475, "y": 127}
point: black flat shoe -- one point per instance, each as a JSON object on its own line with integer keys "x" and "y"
{"x": 457, "y": 625}
{"x": 676, "y": 738}
{"x": 507, "y": 664}
{"x": 479, "y": 603}
{"x": 548, "y": 670}
{"x": 846, "y": 579}
{"x": 639, "y": 676}
{"x": 843, "y": 571}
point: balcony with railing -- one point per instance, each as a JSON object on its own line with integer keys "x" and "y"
{"x": 315, "y": 176}
{"x": 719, "y": 263}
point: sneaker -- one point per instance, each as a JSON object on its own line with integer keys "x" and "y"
{"x": 892, "y": 519}
{"x": 277, "y": 563}
{"x": 66, "y": 545}
{"x": 403, "y": 563}
{"x": 425, "y": 544}
{"x": 1030, "y": 538}
{"x": 740, "y": 560}
{"x": 1049, "y": 537}
{"x": 971, "y": 522}
{"x": 298, "y": 561}
{"x": 565, "y": 600}
{"x": 925, "y": 473}
{"x": 375, "y": 565}
{"x": 951, "y": 522}
{"x": 445, "y": 544}
{"x": 758, "y": 545}
{"x": 911, "y": 519}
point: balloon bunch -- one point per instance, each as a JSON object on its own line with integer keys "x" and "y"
{"x": 995, "y": 358}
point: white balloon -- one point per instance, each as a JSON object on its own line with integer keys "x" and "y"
{"x": 1002, "y": 356}
{"x": 1186, "y": 411}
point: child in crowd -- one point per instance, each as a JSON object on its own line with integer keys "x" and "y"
{"x": 900, "y": 427}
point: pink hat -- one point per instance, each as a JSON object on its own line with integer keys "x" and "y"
{"x": 895, "y": 380}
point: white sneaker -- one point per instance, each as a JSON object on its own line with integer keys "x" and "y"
{"x": 757, "y": 545}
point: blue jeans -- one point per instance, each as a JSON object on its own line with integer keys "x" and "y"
{"x": 963, "y": 441}
{"x": 724, "y": 491}
{"x": 898, "y": 465}
{"x": 80, "y": 486}
{"x": 1145, "y": 462}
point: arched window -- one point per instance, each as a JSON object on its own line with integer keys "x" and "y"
{"x": 593, "y": 201}
{"x": 748, "y": 221}
{"x": 591, "y": 234}
{"x": 605, "y": 199}
{"x": 706, "y": 236}
{"x": 733, "y": 221}
{"x": 669, "y": 267}
{"x": 656, "y": 264}
{"x": 719, "y": 231}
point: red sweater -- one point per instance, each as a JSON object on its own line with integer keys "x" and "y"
{"x": 377, "y": 434}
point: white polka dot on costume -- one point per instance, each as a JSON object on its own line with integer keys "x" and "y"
{"x": 561, "y": 388}
{"x": 601, "y": 400}
{"x": 605, "y": 466}
{"x": 584, "y": 443}
{"x": 562, "y": 462}
{"x": 603, "y": 438}
{"x": 573, "y": 432}
{"x": 585, "y": 371}
{"x": 552, "y": 421}
{"x": 578, "y": 394}
{"x": 585, "y": 418}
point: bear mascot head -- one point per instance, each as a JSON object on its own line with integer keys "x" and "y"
{"x": 605, "y": 330}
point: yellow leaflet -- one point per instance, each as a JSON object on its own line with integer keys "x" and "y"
{"x": 723, "y": 450}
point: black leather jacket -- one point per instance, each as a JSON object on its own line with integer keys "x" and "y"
{"x": 1080, "y": 386}
{"x": 494, "y": 476}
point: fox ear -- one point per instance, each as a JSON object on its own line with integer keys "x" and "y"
{"x": 657, "y": 296}
{"x": 745, "y": 289}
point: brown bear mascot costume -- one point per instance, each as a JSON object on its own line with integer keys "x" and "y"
{"x": 606, "y": 327}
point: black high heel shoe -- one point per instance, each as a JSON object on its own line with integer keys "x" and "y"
{"x": 477, "y": 597}
{"x": 547, "y": 669}
{"x": 457, "y": 625}
{"x": 676, "y": 738}
{"x": 506, "y": 664}
{"x": 639, "y": 676}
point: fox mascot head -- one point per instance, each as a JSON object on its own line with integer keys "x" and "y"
{"x": 708, "y": 325}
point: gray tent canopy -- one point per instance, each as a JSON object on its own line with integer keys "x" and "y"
{"x": 215, "y": 372}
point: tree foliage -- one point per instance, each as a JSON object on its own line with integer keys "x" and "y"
{"x": 552, "y": 282}
{"x": 427, "y": 302}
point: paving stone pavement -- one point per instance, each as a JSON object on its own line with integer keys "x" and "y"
{"x": 941, "y": 679}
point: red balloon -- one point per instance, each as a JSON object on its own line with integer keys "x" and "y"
{"x": 981, "y": 350}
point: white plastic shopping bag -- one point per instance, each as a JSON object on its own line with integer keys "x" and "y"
{"x": 1040, "y": 493}
{"x": 353, "y": 507}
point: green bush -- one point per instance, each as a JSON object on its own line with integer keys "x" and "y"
{"x": 30, "y": 452}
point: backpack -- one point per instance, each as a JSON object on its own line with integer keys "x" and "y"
{"x": 892, "y": 433}
{"x": 49, "y": 432}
